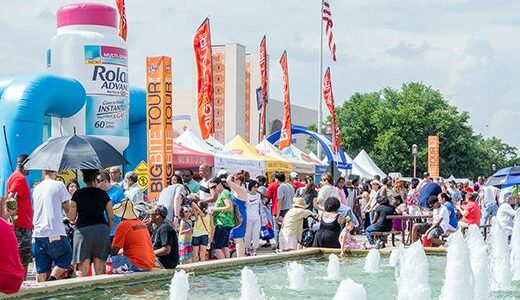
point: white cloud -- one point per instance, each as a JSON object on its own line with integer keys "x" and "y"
{"x": 406, "y": 50}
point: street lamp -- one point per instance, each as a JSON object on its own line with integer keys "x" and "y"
{"x": 493, "y": 168}
{"x": 414, "y": 153}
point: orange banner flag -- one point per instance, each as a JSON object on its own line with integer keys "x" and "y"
{"x": 264, "y": 86}
{"x": 285, "y": 133}
{"x": 123, "y": 27}
{"x": 329, "y": 100}
{"x": 433, "y": 155}
{"x": 159, "y": 112}
{"x": 203, "y": 60}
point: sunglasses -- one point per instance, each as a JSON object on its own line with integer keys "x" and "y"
{"x": 100, "y": 180}
{"x": 212, "y": 187}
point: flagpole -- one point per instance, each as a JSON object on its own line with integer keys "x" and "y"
{"x": 318, "y": 149}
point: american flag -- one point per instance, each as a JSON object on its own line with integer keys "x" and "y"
{"x": 327, "y": 18}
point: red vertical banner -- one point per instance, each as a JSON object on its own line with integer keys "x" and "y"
{"x": 159, "y": 115}
{"x": 203, "y": 60}
{"x": 329, "y": 100}
{"x": 123, "y": 27}
{"x": 264, "y": 85}
{"x": 285, "y": 133}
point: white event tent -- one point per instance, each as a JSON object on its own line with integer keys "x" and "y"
{"x": 295, "y": 153}
{"x": 223, "y": 158}
{"x": 366, "y": 163}
{"x": 299, "y": 166}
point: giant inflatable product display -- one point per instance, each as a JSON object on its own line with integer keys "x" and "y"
{"x": 88, "y": 49}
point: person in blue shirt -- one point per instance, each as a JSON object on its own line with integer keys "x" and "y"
{"x": 115, "y": 193}
{"x": 427, "y": 190}
{"x": 445, "y": 200}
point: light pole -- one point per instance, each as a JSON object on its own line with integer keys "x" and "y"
{"x": 414, "y": 154}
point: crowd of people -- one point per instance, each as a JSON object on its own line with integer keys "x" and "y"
{"x": 108, "y": 225}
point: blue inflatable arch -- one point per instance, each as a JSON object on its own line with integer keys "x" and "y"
{"x": 339, "y": 158}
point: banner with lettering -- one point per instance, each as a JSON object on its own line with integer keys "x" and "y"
{"x": 263, "y": 85}
{"x": 203, "y": 61}
{"x": 329, "y": 100}
{"x": 285, "y": 134}
{"x": 433, "y": 155}
{"x": 159, "y": 112}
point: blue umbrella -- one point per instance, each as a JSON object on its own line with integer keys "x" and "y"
{"x": 505, "y": 177}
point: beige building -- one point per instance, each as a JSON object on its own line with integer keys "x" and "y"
{"x": 236, "y": 76}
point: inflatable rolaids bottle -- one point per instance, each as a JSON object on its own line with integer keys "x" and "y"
{"x": 88, "y": 49}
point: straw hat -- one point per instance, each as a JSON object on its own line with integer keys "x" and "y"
{"x": 299, "y": 202}
{"x": 126, "y": 210}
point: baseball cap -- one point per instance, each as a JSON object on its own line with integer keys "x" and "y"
{"x": 293, "y": 175}
{"x": 161, "y": 210}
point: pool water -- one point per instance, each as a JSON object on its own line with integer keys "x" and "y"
{"x": 225, "y": 285}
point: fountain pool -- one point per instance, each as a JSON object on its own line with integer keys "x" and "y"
{"x": 273, "y": 280}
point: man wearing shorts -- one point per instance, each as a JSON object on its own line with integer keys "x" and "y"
{"x": 440, "y": 224}
{"x": 51, "y": 244}
{"x": 18, "y": 189}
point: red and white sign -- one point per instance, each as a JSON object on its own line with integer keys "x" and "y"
{"x": 203, "y": 60}
{"x": 285, "y": 133}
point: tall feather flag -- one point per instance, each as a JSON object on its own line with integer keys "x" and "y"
{"x": 123, "y": 26}
{"x": 329, "y": 100}
{"x": 203, "y": 60}
{"x": 285, "y": 133}
{"x": 327, "y": 19}
{"x": 263, "y": 85}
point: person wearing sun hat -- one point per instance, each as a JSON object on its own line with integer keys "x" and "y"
{"x": 132, "y": 236}
{"x": 291, "y": 232}
{"x": 372, "y": 203}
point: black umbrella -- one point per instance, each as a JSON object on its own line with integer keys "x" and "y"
{"x": 72, "y": 153}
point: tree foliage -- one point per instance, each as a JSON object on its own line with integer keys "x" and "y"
{"x": 387, "y": 123}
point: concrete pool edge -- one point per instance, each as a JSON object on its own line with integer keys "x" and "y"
{"x": 86, "y": 284}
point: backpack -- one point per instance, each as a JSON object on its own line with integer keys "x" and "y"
{"x": 237, "y": 217}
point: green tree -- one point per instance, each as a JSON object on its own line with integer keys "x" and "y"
{"x": 387, "y": 123}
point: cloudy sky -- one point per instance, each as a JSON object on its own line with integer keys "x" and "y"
{"x": 468, "y": 49}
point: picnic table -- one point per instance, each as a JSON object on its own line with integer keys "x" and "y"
{"x": 411, "y": 220}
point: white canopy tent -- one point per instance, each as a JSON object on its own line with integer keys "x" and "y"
{"x": 366, "y": 163}
{"x": 357, "y": 169}
{"x": 223, "y": 158}
{"x": 299, "y": 165}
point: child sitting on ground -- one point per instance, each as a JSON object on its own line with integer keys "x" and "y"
{"x": 346, "y": 240}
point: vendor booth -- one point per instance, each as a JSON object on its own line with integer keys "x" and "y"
{"x": 223, "y": 158}
{"x": 186, "y": 158}
{"x": 241, "y": 147}
{"x": 303, "y": 161}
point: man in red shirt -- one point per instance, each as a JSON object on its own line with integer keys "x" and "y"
{"x": 272, "y": 194}
{"x": 11, "y": 272}
{"x": 18, "y": 189}
{"x": 471, "y": 212}
{"x": 295, "y": 181}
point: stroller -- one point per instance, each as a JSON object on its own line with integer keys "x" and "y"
{"x": 309, "y": 231}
